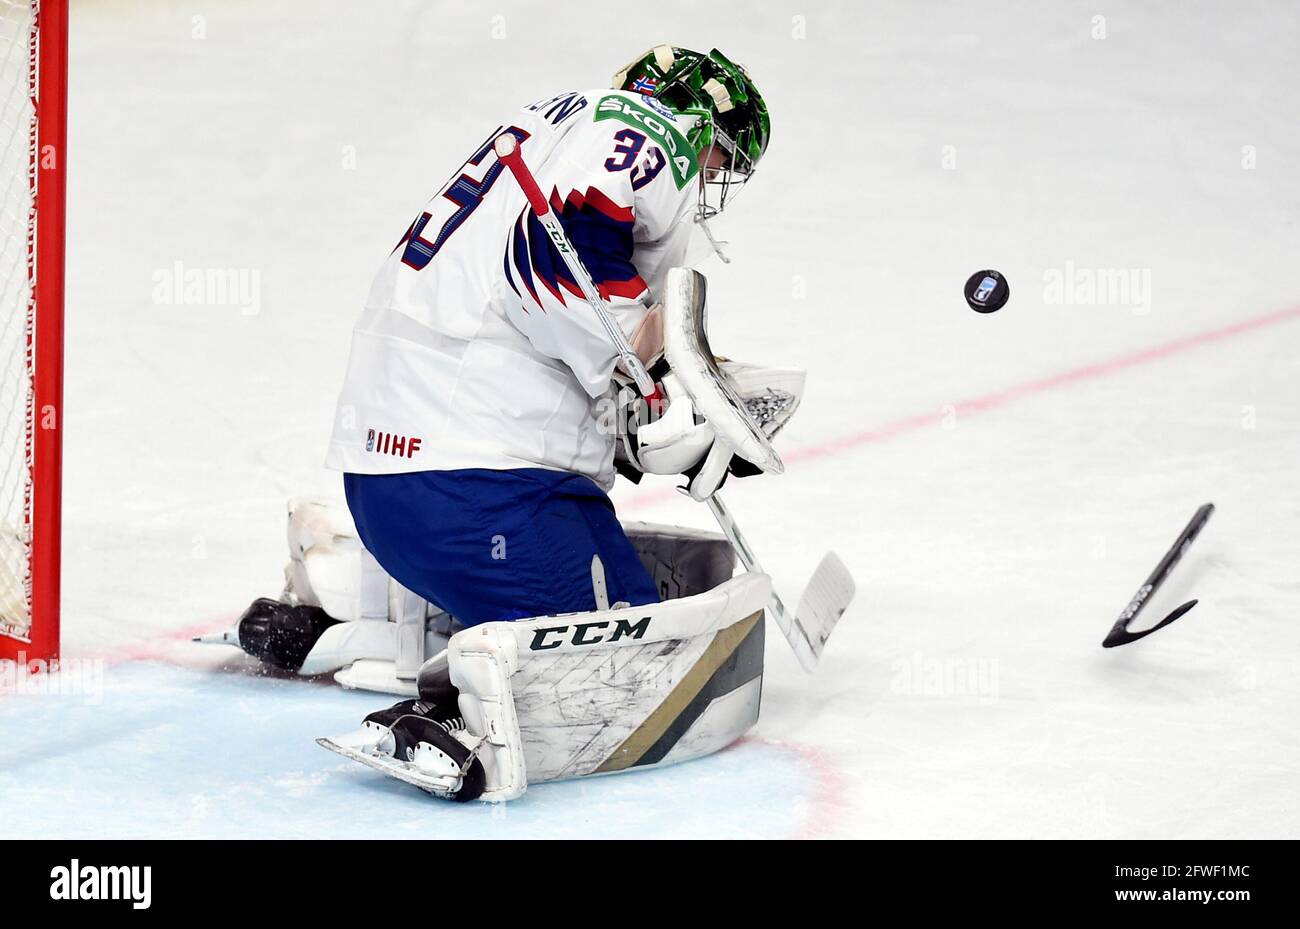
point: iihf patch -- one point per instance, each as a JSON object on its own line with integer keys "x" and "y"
{"x": 370, "y": 440}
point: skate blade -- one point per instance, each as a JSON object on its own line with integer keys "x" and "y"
{"x": 389, "y": 766}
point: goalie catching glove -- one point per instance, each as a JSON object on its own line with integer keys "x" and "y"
{"x": 666, "y": 433}
{"x": 709, "y": 416}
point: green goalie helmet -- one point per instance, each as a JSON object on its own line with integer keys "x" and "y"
{"x": 731, "y": 126}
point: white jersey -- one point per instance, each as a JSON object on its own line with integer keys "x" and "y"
{"x": 475, "y": 348}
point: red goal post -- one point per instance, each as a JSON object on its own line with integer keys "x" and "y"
{"x": 33, "y": 133}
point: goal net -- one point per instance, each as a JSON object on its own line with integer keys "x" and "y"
{"x": 33, "y": 41}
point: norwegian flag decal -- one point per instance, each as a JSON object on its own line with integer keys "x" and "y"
{"x": 645, "y": 84}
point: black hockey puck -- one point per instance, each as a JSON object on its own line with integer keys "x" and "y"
{"x": 987, "y": 291}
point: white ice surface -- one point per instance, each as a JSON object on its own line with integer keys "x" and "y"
{"x": 997, "y": 539}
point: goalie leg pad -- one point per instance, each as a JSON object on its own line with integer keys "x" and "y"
{"x": 593, "y": 693}
{"x": 682, "y": 562}
{"x": 590, "y": 693}
{"x": 329, "y": 567}
{"x": 378, "y": 645}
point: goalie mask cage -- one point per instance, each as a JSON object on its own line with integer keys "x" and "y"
{"x": 33, "y": 56}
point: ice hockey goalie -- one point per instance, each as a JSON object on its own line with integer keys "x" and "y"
{"x": 479, "y": 569}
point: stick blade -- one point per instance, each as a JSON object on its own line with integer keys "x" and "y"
{"x": 1121, "y": 636}
{"x": 827, "y": 596}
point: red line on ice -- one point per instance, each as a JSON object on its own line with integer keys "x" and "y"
{"x": 157, "y": 648}
{"x": 827, "y": 800}
{"x": 1000, "y": 398}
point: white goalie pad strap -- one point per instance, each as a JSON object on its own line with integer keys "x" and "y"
{"x": 409, "y": 612}
{"x": 686, "y": 347}
{"x": 593, "y": 693}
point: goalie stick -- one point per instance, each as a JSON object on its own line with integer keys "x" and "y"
{"x": 824, "y": 600}
{"x": 507, "y": 149}
{"x": 831, "y": 588}
{"x": 1119, "y": 633}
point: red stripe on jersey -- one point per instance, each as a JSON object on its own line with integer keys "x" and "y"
{"x": 595, "y": 199}
{"x": 628, "y": 289}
